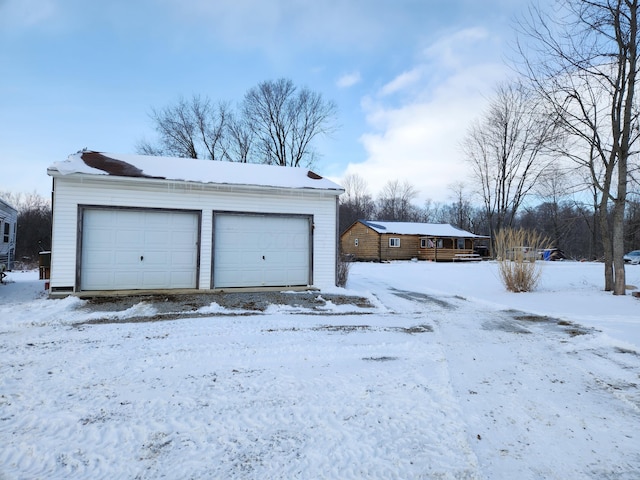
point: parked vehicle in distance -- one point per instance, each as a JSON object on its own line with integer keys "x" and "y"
{"x": 551, "y": 254}
{"x": 632, "y": 257}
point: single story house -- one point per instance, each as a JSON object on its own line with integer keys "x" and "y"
{"x": 380, "y": 241}
{"x": 134, "y": 222}
{"x": 8, "y": 226}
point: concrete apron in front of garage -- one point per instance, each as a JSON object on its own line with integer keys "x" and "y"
{"x": 177, "y": 291}
{"x": 172, "y": 304}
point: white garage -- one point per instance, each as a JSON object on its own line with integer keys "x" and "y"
{"x": 125, "y": 249}
{"x": 261, "y": 250}
{"x": 134, "y": 222}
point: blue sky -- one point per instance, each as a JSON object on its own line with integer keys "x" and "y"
{"x": 407, "y": 75}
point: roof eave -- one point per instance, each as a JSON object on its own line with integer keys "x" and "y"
{"x": 53, "y": 172}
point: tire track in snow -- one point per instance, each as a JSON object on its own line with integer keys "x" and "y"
{"x": 284, "y": 397}
{"x": 519, "y": 378}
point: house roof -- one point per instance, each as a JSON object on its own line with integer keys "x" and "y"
{"x": 191, "y": 170}
{"x": 422, "y": 229}
{"x": 6, "y": 207}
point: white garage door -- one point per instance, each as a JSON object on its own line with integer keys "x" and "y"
{"x": 138, "y": 249}
{"x": 255, "y": 250}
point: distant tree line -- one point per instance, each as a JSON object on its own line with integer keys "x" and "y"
{"x": 34, "y": 225}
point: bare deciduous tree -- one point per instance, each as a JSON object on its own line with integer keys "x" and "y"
{"x": 395, "y": 202}
{"x": 552, "y": 187}
{"x": 190, "y": 129}
{"x": 240, "y": 140}
{"x": 584, "y": 63}
{"x": 355, "y": 202}
{"x": 285, "y": 120}
{"x": 277, "y": 123}
{"x": 461, "y": 209}
{"x": 504, "y": 149}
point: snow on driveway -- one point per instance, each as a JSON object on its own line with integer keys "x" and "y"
{"x": 433, "y": 383}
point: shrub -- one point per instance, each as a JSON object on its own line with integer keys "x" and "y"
{"x": 517, "y": 254}
{"x": 344, "y": 265}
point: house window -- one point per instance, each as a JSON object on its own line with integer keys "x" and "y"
{"x": 460, "y": 243}
{"x": 394, "y": 242}
{"x": 356, "y": 242}
{"x": 423, "y": 243}
{"x": 439, "y": 243}
{"x": 7, "y": 228}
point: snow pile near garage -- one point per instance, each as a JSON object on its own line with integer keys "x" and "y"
{"x": 191, "y": 170}
{"x": 452, "y": 377}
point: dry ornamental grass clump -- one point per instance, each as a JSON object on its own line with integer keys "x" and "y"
{"x": 343, "y": 267}
{"x": 517, "y": 254}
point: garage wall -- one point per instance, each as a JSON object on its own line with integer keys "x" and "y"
{"x": 73, "y": 190}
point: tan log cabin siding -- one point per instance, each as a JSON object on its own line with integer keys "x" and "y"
{"x": 374, "y": 246}
{"x": 368, "y": 248}
{"x": 408, "y": 249}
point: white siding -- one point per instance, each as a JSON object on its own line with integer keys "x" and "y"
{"x": 8, "y": 223}
{"x": 73, "y": 190}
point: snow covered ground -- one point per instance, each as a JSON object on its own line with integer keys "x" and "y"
{"x": 447, "y": 377}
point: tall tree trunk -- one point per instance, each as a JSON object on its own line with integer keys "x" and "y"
{"x": 627, "y": 62}
{"x": 607, "y": 248}
{"x": 619, "y": 286}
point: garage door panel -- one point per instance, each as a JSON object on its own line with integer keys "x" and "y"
{"x": 180, "y": 278}
{"x": 261, "y": 250}
{"x": 181, "y": 259}
{"x": 128, "y": 236}
{"x": 122, "y": 258}
{"x": 182, "y": 237}
{"x": 153, "y": 240}
{"x": 98, "y": 277}
{"x": 138, "y": 249}
{"x": 101, "y": 241}
{"x": 157, "y": 259}
{"x": 124, "y": 280}
{"x": 276, "y": 276}
{"x": 157, "y": 222}
{"x": 295, "y": 258}
{"x": 276, "y": 258}
{"x": 156, "y": 279}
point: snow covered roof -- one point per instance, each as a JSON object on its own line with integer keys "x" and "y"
{"x": 422, "y": 229}
{"x": 190, "y": 170}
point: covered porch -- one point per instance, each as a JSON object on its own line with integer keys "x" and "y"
{"x": 447, "y": 249}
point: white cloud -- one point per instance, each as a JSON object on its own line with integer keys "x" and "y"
{"x": 26, "y": 13}
{"x": 349, "y": 80}
{"x": 446, "y": 50}
{"x": 402, "y": 81}
{"x": 336, "y": 25}
{"x": 419, "y": 139}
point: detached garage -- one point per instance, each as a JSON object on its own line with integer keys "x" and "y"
{"x": 132, "y": 222}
